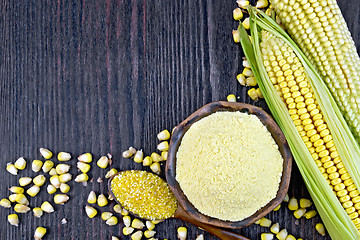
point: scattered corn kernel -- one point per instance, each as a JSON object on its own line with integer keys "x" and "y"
{"x": 55, "y": 181}
{"x": 299, "y": 213}
{"x": 275, "y": 228}
{"x": 267, "y": 236}
{"x": 11, "y": 169}
{"x": 33, "y": 191}
{"x": 112, "y": 221}
{"x": 305, "y": 203}
{"x": 83, "y": 177}
{"x": 149, "y": 225}
{"x": 64, "y": 188}
{"x": 156, "y": 157}
{"x": 62, "y": 168}
{"x": 83, "y": 167}
{"x": 182, "y": 233}
{"x": 48, "y": 165}
{"x": 117, "y": 208}
{"x": 156, "y": 221}
{"x": 92, "y": 198}
{"x": 139, "y": 155}
{"x": 103, "y": 162}
{"x": 262, "y": 4}
{"x": 246, "y": 24}
{"x": 286, "y": 198}
{"x": 21, "y": 198}
{"x": 258, "y": 92}
{"x": 277, "y": 208}
{"x": 114, "y": 238}
{"x": 106, "y": 215}
{"x": 231, "y": 98}
{"x": 200, "y": 237}
{"x": 241, "y": 79}
{"x": 147, "y": 161}
{"x": 237, "y": 14}
{"x": 138, "y": 224}
{"x": 25, "y": 181}
{"x": 39, "y": 180}
{"x": 46, "y": 153}
{"x": 236, "y": 36}
{"x": 163, "y": 135}
{"x": 102, "y": 200}
{"x": 124, "y": 212}
{"x": 36, "y": 165}
{"x": 164, "y": 155}
{"x": 149, "y": 233}
{"x": 38, "y": 212}
{"x": 15, "y": 189}
{"x": 64, "y": 156}
{"x": 243, "y": 3}
{"x": 65, "y": 177}
{"x": 127, "y": 221}
{"x": 252, "y": 94}
{"x": 282, "y": 234}
{"x": 13, "y": 219}
{"x": 320, "y": 228}
{"x": 52, "y": 172}
{"x": 127, "y": 230}
{"x": 290, "y": 237}
{"x": 39, "y": 233}
{"x": 21, "y": 208}
{"x": 310, "y": 214}
{"x": 163, "y": 146}
{"x": 251, "y": 81}
{"x": 20, "y": 163}
{"x": 111, "y": 173}
{"x": 90, "y": 211}
{"x": 137, "y": 235}
{"x": 5, "y": 203}
{"x": 47, "y": 207}
{"x": 85, "y": 157}
{"x": 51, "y": 189}
{"x": 293, "y": 204}
{"x": 264, "y": 222}
{"x": 127, "y": 153}
{"x": 12, "y": 197}
{"x": 155, "y": 167}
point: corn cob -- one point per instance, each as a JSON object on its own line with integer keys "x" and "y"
{"x": 325, "y": 151}
{"x": 320, "y": 30}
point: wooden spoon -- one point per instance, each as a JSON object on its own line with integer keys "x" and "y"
{"x": 180, "y": 213}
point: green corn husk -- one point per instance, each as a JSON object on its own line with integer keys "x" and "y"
{"x": 336, "y": 220}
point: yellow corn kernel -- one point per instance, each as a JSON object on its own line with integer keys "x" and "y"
{"x": 243, "y": 3}
{"x": 252, "y": 94}
{"x": 149, "y": 233}
{"x": 127, "y": 221}
{"x": 247, "y": 72}
{"x": 277, "y": 208}
{"x": 13, "y": 219}
{"x": 237, "y": 14}
{"x": 114, "y": 238}
{"x": 48, "y": 165}
{"x": 65, "y": 177}
{"x": 51, "y": 189}
{"x": 61, "y": 198}
{"x": 39, "y": 180}
{"x": 39, "y": 233}
{"x": 92, "y": 198}
{"x": 21, "y": 208}
{"x": 231, "y": 98}
{"x": 241, "y": 79}
{"x": 157, "y": 221}
{"x": 106, "y": 215}
{"x": 127, "y": 230}
{"x": 24, "y": 181}
{"x": 21, "y": 198}
{"x": 275, "y": 228}
{"x": 90, "y": 211}
{"x": 246, "y": 24}
{"x": 63, "y": 156}
{"x": 156, "y": 157}
{"x": 293, "y": 204}
{"x": 182, "y": 233}
{"x": 52, "y": 172}
{"x": 36, "y": 165}
{"x": 305, "y": 203}
{"x": 83, "y": 177}
{"x": 38, "y": 212}
{"x": 33, "y": 191}
{"x": 111, "y": 173}
{"x": 236, "y": 36}
{"x": 15, "y": 189}
{"x": 149, "y": 225}
{"x": 83, "y": 167}
{"x": 55, "y": 181}
{"x": 20, "y": 163}
{"x": 12, "y": 197}
{"x": 286, "y": 198}
{"x": 147, "y": 161}
{"x": 282, "y": 234}
{"x": 163, "y": 135}
{"x": 117, "y": 208}
{"x": 290, "y": 237}
{"x": 310, "y": 214}
{"x": 5, "y": 203}
{"x": 262, "y": 4}
{"x": 102, "y": 200}
{"x": 124, "y": 212}
{"x": 164, "y": 155}
{"x": 46, "y": 153}
{"x": 200, "y": 237}
{"x": 137, "y": 235}
{"x": 47, "y": 207}
{"x": 62, "y": 168}
{"x": 139, "y": 156}
{"x": 264, "y": 222}
{"x": 299, "y": 213}
{"x": 103, "y": 162}
{"x": 85, "y": 158}
{"x": 267, "y": 236}
{"x": 112, "y": 221}
{"x": 155, "y": 167}
{"x": 163, "y": 146}
{"x": 138, "y": 224}
{"x": 320, "y": 228}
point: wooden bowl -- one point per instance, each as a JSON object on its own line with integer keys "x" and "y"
{"x": 276, "y": 133}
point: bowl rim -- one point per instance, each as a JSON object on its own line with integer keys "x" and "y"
{"x": 204, "y": 111}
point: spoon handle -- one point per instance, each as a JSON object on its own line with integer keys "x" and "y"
{"x": 219, "y": 232}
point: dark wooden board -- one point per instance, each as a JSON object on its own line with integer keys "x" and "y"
{"x": 100, "y": 76}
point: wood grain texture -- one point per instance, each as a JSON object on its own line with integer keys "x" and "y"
{"x": 102, "y": 75}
